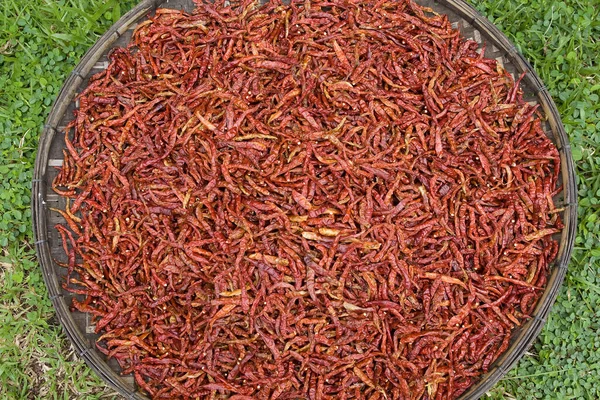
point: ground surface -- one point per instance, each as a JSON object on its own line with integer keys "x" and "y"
{"x": 41, "y": 42}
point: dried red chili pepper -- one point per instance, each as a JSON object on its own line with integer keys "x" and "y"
{"x": 327, "y": 199}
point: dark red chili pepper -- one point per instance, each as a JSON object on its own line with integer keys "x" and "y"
{"x": 321, "y": 200}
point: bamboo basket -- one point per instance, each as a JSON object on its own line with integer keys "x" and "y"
{"x": 78, "y": 326}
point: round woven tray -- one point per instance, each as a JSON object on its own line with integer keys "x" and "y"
{"x": 78, "y": 326}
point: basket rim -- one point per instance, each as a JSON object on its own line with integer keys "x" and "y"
{"x": 66, "y": 95}
{"x": 520, "y": 342}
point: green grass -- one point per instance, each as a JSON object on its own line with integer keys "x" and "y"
{"x": 41, "y": 42}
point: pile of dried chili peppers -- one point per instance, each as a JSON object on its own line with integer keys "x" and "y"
{"x": 323, "y": 200}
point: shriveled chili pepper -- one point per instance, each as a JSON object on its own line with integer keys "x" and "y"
{"x": 323, "y": 200}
